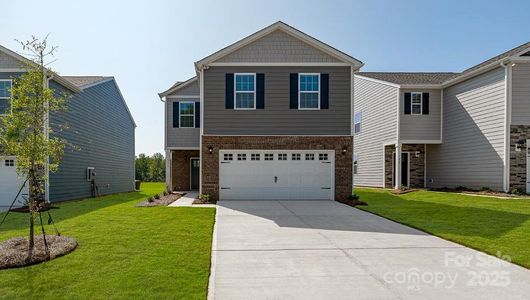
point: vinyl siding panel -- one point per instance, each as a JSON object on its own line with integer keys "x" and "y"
{"x": 101, "y": 127}
{"x": 472, "y": 150}
{"x": 8, "y": 62}
{"x": 378, "y": 104}
{"x": 189, "y": 90}
{"x": 521, "y": 94}
{"x": 277, "y": 47}
{"x": 422, "y": 127}
{"x": 277, "y": 118}
{"x": 180, "y": 137}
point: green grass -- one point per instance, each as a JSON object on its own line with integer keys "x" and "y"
{"x": 492, "y": 225}
{"x": 124, "y": 251}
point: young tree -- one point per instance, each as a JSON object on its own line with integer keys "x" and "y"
{"x": 157, "y": 167}
{"x": 25, "y": 132}
{"x": 142, "y": 167}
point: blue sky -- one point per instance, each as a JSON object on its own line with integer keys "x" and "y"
{"x": 148, "y": 45}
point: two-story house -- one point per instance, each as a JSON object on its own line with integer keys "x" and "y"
{"x": 445, "y": 129}
{"x": 99, "y": 131}
{"x": 268, "y": 117}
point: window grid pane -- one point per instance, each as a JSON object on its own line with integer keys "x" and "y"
{"x": 254, "y": 156}
{"x": 295, "y": 156}
{"x": 282, "y": 156}
{"x": 244, "y": 100}
{"x": 322, "y": 156}
{"x": 241, "y": 156}
{"x": 269, "y": 156}
{"x": 228, "y": 157}
{"x": 309, "y": 156}
{"x": 309, "y": 100}
{"x": 186, "y": 121}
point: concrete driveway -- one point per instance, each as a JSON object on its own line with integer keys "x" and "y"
{"x": 327, "y": 250}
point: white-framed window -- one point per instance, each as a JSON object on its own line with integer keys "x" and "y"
{"x": 357, "y": 122}
{"x": 416, "y": 100}
{"x": 9, "y": 162}
{"x": 282, "y": 156}
{"x": 269, "y": 156}
{"x": 241, "y": 156}
{"x": 309, "y": 91}
{"x": 309, "y": 156}
{"x": 255, "y": 156}
{"x": 228, "y": 156}
{"x": 295, "y": 156}
{"x": 322, "y": 156}
{"x": 245, "y": 91}
{"x": 355, "y": 163}
{"x": 187, "y": 114}
{"x": 5, "y": 96}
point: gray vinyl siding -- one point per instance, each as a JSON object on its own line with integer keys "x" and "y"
{"x": 378, "y": 104}
{"x": 100, "y": 126}
{"x": 472, "y": 151}
{"x": 521, "y": 94}
{"x": 189, "y": 90}
{"x": 278, "y": 47}
{"x": 421, "y": 127}
{"x": 180, "y": 137}
{"x": 277, "y": 118}
{"x": 8, "y": 62}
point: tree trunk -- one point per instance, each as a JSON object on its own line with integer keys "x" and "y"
{"x": 32, "y": 208}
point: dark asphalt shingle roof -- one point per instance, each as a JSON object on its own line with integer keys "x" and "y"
{"x": 81, "y": 81}
{"x": 410, "y": 77}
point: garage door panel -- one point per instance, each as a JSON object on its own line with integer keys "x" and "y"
{"x": 10, "y": 184}
{"x": 281, "y": 176}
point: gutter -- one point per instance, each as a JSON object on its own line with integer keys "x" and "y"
{"x": 507, "y": 65}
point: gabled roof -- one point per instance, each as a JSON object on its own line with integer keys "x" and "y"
{"x": 341, "y": 56}
{"x": 177, "y": 86}
{"x": 84, "y": 81}
{"x": 67, "y": 84}
{"x": 410, "y": 78}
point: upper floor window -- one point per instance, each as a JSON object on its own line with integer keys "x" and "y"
{"x": 245, "y": 91}
{"x": 416, "y": 101}
{"x": 309, "y": 91}
{"x": 187, "y": 114}
{"x": 357, "y": 122}
{"x": 5, "y": 97}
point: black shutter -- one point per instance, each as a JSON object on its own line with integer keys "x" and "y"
{"x": 260, "y": 91}
{"x": 176, "y": 113}
{"x": 293, "y": 91}
{"x": 324, "y": 91}
{"x": 197, "y": 114}
{"x": 407, "y": 103}
{"x": 229, "y": 90}
{"x": 425, "y": 104}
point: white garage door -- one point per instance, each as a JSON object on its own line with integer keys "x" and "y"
{"x": 276, "y": 175}
{"x": 10, "y": 183}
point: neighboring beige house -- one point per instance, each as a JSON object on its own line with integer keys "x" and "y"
{"x": 445, "y": 129}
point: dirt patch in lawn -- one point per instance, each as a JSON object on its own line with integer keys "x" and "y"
{"x": 14, "y": 252}
{"x": 163, "y": 200}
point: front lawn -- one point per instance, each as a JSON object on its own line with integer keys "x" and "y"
{"x": 492, "y": 225}
{"x": 124, "y": 251}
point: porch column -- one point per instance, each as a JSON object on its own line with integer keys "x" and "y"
{"x": 397, "y": 174}
{"x": 169, "y": 157}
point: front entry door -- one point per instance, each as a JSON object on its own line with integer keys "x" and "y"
{"x": 195, "y": 169}
{"x": 404, "y": 169}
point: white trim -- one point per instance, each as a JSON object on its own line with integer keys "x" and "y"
{"x": 244, "y": 92}
{"x": 287, "y": 29}
{"x": 473, "y": 73}
{"x": 507, "y": 123}
{"x": 421, "y": 141}
{"x": 525, "y": 59}
{"x": 421, "y": 86}
{"x": 441, "y": 114}
{"x": 278, "y": 64}
{"x": 183, "y": 97}
{"x": 201, "y": 130}
{"x": 166, "y": 124}
{"x": 352, "y": 99}
{"x": 178, "y": 87}
{"x": 309, "y": 92}
{"x": 169, "y": 167}
{"x": 377, "y": 81}
{"x": 389, "y": 143}
{"x": 191, "y": 168}
{"x": 394, "y": 174}
{"x": 186, "y": 115}
{"x": 412, "y": 104}
{"x": 10, "y": 98}
{"x": 384, "y": 166}
{"x": 281, "y": 135}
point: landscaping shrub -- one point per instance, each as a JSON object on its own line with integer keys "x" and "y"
{"x": 150, "y": 199}
{"x": 165, "y": 193}
{"x": 157, "y": 196}
{"x": 204, "y": 197}
{"x": 354, "y": 197}
{"x": 517, "y": 191}
{"x": 485, "y": 189}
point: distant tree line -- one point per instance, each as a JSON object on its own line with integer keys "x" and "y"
{"x": 151, "y": 168}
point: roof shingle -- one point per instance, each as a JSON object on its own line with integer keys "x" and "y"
{"x": 81, "y": 81}
{"x": 410, "y": 77}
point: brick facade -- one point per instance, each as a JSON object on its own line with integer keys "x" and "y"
{"x": 343, "y": 162}
{"x": 417, "y": 164}
{"x": 180, "y": 168}
{"x": 518, "y": 158}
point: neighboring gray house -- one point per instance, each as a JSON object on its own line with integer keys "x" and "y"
{"x": 445, "y": 129}
{"x": 268, "y": 117}
{"x": 100, "y": 126}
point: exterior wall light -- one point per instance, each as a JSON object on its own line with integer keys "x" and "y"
{"x": 417, "y": 153}
{"x": 344, "y": 150}
{"x": 210, "y": 149}
{"x": 519, "y": 145}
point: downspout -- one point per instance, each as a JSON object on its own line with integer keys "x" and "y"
{"x": 507, "y": 123}
{"x": 397, "y": 164}
{"x": 47, "y": 133}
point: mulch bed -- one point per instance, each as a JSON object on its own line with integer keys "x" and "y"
{"x": 352, "y": 203}
{"x": 163, "y": 201}
{"x": 14, "y": 252}
{"x": 199, "y": 201}
{"x": 401, "y": 192}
